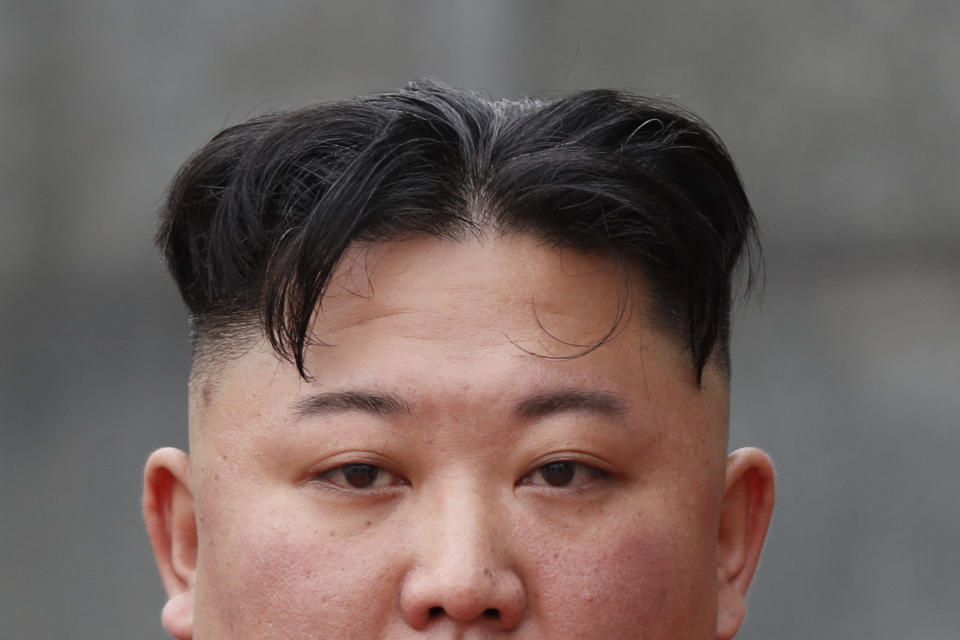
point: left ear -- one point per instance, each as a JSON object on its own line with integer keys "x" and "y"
{"x": 744, "y": 519}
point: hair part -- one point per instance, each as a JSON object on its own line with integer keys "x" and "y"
{"x": 255, "y": 223}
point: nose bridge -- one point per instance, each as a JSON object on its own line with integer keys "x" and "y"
{"x": 463, "y": 568}
{"x": 465, "y": 532}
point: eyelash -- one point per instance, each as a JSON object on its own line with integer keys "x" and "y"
{"x": 578, "y": 475}
{"x": 572, "y": 475}
{"x": 339, "y": 476}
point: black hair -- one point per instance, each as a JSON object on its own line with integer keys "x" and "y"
{"x": 256, "y": 221}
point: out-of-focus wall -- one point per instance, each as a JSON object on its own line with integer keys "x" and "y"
{"x": 844, "y": 118}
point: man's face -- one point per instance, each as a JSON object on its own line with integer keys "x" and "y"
{"x": 450, "y": 471}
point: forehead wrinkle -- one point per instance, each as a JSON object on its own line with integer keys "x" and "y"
{"x": 354, "y": 318}
{"x": 511, "y": 314}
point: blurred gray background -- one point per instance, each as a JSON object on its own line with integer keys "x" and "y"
{"x": 844, "y": 118}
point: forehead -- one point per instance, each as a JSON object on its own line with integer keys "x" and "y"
{"x": 464, "y": 323}
{"x": 514, "y": 286}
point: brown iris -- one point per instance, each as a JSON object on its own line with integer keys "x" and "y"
{"x": 559, "y": 473}
{"x": 360, "y": 476}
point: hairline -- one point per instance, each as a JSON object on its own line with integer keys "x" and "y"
{"x": 224, "y": 339}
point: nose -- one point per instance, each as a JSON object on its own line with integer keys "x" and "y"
{"x": 463, "y": 569}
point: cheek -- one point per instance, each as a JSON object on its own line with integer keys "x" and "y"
{"x": 275, "y": 573}
{"x": 623, "y": 582}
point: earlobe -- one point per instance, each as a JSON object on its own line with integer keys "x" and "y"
{"x": 169, "y": 514}
{"x": 744, "y": 518}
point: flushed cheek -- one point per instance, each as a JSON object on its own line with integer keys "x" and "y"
{"x": 629, "y": 582}
{"x": 293, "y": 583}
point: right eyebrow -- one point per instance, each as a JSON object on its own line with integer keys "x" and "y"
{"x": 382, "y": 404}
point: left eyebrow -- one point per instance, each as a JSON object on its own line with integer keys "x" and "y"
{"x": 384, "y": 404}
{"x": 545, "y": 404}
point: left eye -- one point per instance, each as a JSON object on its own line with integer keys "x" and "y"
{"x": 565, "y": 473}
{"x": 360, "y": 476}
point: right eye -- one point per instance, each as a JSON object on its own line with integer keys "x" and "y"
{"x": 359, "y": 476}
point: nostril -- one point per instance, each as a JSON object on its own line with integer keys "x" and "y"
{"x": 491, "y": 613}
{"x": 435, "y": 611}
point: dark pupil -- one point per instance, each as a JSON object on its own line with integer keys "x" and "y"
{"x": 360, "y": 476}
{"x": 558, "y": 473}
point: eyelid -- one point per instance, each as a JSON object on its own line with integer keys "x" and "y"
{"x": 570, "y": 456}
{"x": 586, "y": 464}
{"x": 378, "y": 485}
{"x": 323, "y": 475}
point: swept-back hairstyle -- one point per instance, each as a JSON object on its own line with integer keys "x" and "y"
{"x": 255, "y": 223}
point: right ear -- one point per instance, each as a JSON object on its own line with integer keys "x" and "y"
{"x": 168, "y": 511}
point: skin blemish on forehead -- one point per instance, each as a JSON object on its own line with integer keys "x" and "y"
{"x": 207, "y": 393}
